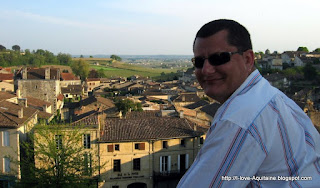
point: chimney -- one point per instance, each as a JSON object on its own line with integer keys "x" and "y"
{"x": 20, "y": 113}
{"x": 47, "y": 73}
{"x": 44, "y": 107}
{"x": 24, "y": 73}
{"x": 181, "y": 113}
{"x": 22, "y": 102}
{"x": 18, "y": 93}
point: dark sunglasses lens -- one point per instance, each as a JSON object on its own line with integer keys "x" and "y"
{"x": 219, "y": 59}
{"x": 225, "y": 57}
{"x": 198, "y": 62}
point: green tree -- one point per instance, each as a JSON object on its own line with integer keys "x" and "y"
{"x": 16, "y": 48}
{"x": 115, "y": 57}
{"x": 101, "y": 73}
{"x": 56, "y": 157}
{"x": 2, "y": 48}
{"x": 50, "y": 58}
{"x": 303, "y": 49}
{"x": 317, "y": 50}
{"x": 64, "y": 59}
{"x": 126, "y": 105}
{"x": 80, "y": 68}
{"x": 93, "y": 73}
{"x": 37, "y": 60}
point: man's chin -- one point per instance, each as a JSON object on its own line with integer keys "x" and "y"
{"x": 214, "y": 95}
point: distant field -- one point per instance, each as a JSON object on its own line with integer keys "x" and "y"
{"x": 116, "y": 69}
{"x": 93, "y": 59}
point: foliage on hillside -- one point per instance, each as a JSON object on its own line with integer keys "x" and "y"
{"x": 80, "y": 68}
{"x": 115, "y": 57}
{"x": 35, "y": 58}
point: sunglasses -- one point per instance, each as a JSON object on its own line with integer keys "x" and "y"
{"x": 215, "y": 59}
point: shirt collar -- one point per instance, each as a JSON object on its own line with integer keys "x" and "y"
{"x": 251, "y": 80}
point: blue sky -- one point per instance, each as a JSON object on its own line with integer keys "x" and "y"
{"x": 152, "y": 27}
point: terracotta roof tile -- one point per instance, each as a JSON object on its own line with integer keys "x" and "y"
{"x": 187, "y": 97}
{"x": 68, "y": 76}
{"x": 211, "y": 109}
{"x": 93, "y": 79}
{"x": 6, "y": 76}
{"x": 148, "y": 129}
{"x": 60, "y": 97}
{"x": 197, "y": 104}
{"x": 5, "y": 95}
{"x": 9, "y": 114}
{"x": 37, "y": 102}
{"x": 44, "y": 115}
{"x": 87, "y": 120}
{"x": 72, "y": 89}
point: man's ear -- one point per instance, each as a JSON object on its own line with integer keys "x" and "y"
{"x": 249, "y": 59}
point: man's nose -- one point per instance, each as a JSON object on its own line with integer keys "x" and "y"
{"x": 208, "y": 68}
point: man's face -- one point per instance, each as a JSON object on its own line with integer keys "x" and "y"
{"x": 219, "y": 82}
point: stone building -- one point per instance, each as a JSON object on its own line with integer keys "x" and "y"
{"x": 40, "y": 83}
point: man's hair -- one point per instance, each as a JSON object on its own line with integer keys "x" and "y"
{"x": 238, "y": 35}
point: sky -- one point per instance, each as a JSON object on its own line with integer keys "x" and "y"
{"x": 152, "y": 27}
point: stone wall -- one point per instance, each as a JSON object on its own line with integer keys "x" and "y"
{"x": 46, "y": 90}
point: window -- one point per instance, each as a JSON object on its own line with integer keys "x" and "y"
{"x": 183, "y": 162}
{"x": 201, "y": 140}
{"x": 6, "y": 165}
{"x": 182, "y": 143}
{"x": 58, "y": 139}
{"x": 136, "y": 164}
{"x": 5, "y": 138}
{"x": 164, "y": 144}
{"x": 87, "y": 164}
{"x": 117, "y": 147}
{"x": 113, "y": 147}
{"x": 110, "y": 148}
{"x": 165, "y": 164}
{"x": 117, "y": 165}
{"x": 139, "y": 146}
{"x": 86, "y": 141}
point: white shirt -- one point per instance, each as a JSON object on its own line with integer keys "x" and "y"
{"x": 259, "y": 138}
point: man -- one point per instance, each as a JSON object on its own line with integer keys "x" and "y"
{"x": 259, "y": 137}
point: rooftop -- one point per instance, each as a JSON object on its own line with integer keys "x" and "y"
{"x": 134, "y": 128}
